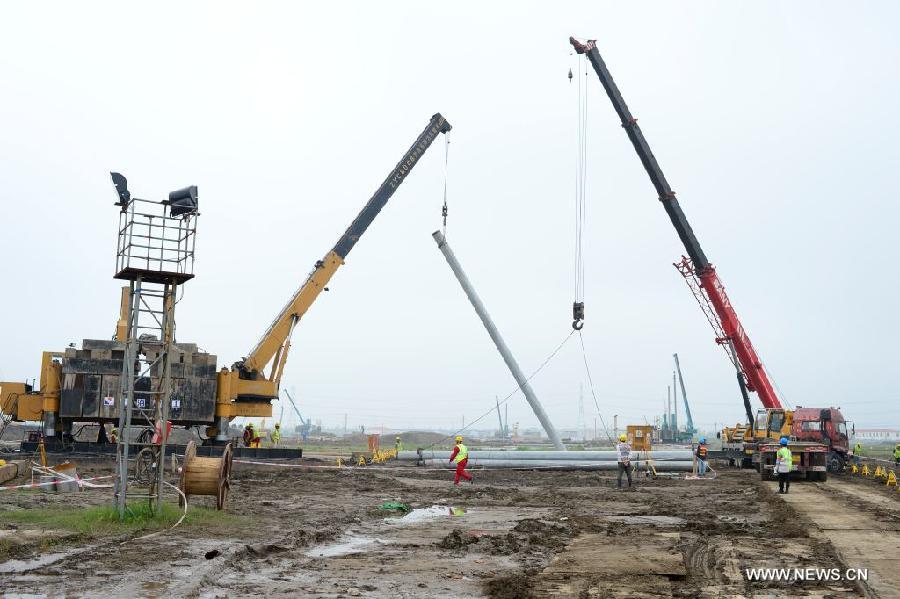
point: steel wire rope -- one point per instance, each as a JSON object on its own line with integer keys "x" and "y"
{"x": 446, "y": 168}
{"x": 505, "y": 399}
{"x": 591, "y": 383}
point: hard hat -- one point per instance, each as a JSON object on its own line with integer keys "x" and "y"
{"x": 784, "y": 441}
{"x": 2, "y": 462}
{"x": 398, "y": 437}
{"x": 277, "y": 425}
{"x": 623, "y": 438}
{"x": 458, "y": 439}
{"x": 702, "y": 440}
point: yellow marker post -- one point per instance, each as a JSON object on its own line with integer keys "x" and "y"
{"x": 865, "y": 470}
{"x": 854, "y": 469}
{"x": 362, "y": 461}
{"x": 891, "y": 479}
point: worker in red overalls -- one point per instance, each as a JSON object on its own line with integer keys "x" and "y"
{"x": 460, "y": 455}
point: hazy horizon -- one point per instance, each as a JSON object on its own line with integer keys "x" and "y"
{"x": 775, "y": 123}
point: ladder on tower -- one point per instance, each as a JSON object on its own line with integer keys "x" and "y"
{"x": 145, "y": 387}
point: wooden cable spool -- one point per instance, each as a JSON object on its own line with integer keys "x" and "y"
{"x": 206, "y": 476}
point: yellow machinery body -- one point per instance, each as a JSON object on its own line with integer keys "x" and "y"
{"x": 640, "y": 436}
{"x": 245, "y": 389}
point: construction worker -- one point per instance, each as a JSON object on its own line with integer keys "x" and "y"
{"x": 624, "y": 459}
{"x": 701, "y": 453}
{"x": 398, "y": 444}
{"x": 857, "y": 453}
{"x": 276, "y": 435}
{"x": 460, "y": 455}
{"x": 784, "y": 462}
{"x": 897, "y": 456}
{"x": 114, "y": 435}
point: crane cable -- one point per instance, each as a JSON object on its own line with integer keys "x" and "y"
{"x": 591, "y": 383}
{"x": 505, "y": 399}
{"x": 580, "y": 187}
{"x": 446, "y": 160}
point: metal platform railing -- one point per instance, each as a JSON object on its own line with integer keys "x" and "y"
{"x": 154, "y": 244}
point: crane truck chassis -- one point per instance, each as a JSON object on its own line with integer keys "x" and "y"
{"x": 82, "y": 385}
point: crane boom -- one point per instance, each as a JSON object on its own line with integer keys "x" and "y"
{"x": 687, "y": 407}
{"x": 696, "y": 264}
{"x": 247, "y": 379}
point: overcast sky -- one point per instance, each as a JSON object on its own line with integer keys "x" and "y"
{"x": 775, "y": 122}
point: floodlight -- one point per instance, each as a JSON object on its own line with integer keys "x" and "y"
{"x": 183, "y": 201}
{"x": 121, "y": 184}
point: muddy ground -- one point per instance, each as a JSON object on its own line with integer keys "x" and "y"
{"x": 320, "y": 533}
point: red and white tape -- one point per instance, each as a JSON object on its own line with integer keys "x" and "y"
{"x": 54, "y": 482}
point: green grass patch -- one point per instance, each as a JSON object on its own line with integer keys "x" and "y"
{"x": 101, "y": 520}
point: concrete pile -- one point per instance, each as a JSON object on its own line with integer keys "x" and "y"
{"x": 670, "y": 460}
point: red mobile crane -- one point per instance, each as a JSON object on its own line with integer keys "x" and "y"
{"x": 822, "y": 428}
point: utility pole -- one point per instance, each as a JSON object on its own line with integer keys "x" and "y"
{"x": 345, "y": 424}
{"x": 616, "y": 426}
{"x": 675, "y": 401}
{"x": 669, "y": 409}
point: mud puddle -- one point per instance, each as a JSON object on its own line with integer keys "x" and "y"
{"x": 20, "y": 566}
{"x": 428, "y": 514}
{"x": 349, "y": 545}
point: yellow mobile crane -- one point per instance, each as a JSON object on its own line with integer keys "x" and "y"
{"x": 245, "y": 389}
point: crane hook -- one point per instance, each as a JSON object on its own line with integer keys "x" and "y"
{"x": 570, "y": 74}
{"x": 577, "y": 315}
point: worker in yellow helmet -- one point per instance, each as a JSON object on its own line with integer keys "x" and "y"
{"x": 398, "y": 444}
{"x": 623, "y": 454}
{"x": 460, "y": 455}
{"x": 897, "y": 456}
{"x": 276, "y": 435}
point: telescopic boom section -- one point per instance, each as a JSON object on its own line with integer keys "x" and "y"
{"x": 699, "y": 266}
{"x": 274, "y": 345}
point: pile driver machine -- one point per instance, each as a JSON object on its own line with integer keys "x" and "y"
{"x": 82, "y": 385}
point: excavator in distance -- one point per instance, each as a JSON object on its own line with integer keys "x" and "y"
{"x": 818, "y": 441}
{"x": 81, "y": 385}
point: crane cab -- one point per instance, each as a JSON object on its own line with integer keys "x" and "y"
{"x": 772, "y": 423}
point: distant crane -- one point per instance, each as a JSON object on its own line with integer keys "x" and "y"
{"x": 305, "y": 425}
{"x": 687, "y": 408}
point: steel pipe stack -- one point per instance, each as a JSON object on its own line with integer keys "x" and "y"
{"x": 580, "y": 456}
{"x": 661, "y": 466}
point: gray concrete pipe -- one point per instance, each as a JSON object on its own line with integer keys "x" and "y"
{"x": 498, "y": 341}
{"x": 582, "y": 456}
{"x": 661, "y": 466}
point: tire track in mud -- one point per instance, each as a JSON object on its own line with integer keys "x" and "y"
{"x": 861, "y": 523}
{"x": 726, "y": 525}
